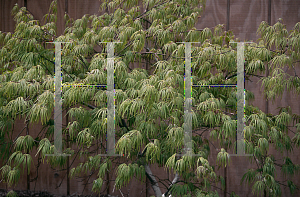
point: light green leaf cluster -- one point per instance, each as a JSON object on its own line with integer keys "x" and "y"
{"x": 11, "y": 193}
{"x": 126, "y": 172}
{"x": 130, "y": 142}
{"x": 223, "y": 158}
{"x": 24, "y": 143}
{"x": 149, "y": 106}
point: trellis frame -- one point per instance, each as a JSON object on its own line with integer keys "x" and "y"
{"x": 110, "y": 101}
{"x": 240, "y": 143}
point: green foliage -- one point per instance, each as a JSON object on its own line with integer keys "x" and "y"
{"x": 24, "y": 143}
{"x": 97, "y": 185}
{"x": 149, "y": 110}
{"x": 126, "y": 172}
{"x": 223, "y": 158}
{"x": 11, "y": 193}
{"x": 10, "y": 175}
{"x": 17, "y": 158}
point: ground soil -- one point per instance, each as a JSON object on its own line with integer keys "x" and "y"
{"x": 22, "y": 193}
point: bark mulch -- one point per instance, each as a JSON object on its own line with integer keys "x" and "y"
{"x": 25, "y": 193}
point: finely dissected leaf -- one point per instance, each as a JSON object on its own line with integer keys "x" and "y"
{"x": 258, "y": 188}
{"x": 104, "y": 168}
{"x": 291, "y": 186}
{"x": 223, "y": 157}
{"x": 11, "y": 193}
{"x": 126, "y": 172}
{"x": 97, "y": 185}
{"x": 84, "y": 137}
{"x": 24, "y": 143}
{"x": 153, "y": 151}
{"x": 263, "y": 144}
{"x": 149, "y": 92}
{"x": 13, "y": 176}
{"x": 44, "y": 147}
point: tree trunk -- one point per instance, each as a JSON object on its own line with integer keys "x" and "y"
{"x": 27, "y": 174}
{"x": 153, "y": 181}
{"x": 175, "y": 180}
{"x": 68, "y": 158}
{"x": 147, "y": 189}
{"x": 225, "y": 180}
{"x": 108, "y": 188}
